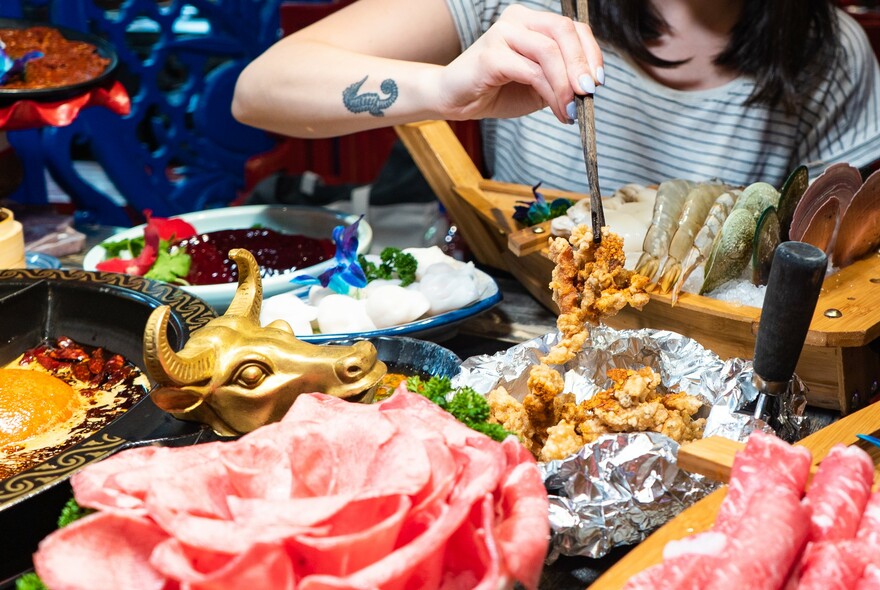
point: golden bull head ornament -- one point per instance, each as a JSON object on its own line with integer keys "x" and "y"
{"x": 236, "y": 375}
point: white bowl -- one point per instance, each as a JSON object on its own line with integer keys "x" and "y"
{"x": 312, "y": 222}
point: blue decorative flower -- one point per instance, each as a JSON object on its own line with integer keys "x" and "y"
{"x": 346, "y": 273}
{"x": 10, "y": 67}
{"x": 534, "y": 212}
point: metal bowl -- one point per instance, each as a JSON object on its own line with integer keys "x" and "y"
{"x": 413, "y": 357}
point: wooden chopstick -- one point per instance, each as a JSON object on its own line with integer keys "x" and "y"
{"x": 578, "y": 10}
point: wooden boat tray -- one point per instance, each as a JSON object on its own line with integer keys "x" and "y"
{"x": 840, "y": 362}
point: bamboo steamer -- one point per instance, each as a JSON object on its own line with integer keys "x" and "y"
{"x": 840, "y": 362}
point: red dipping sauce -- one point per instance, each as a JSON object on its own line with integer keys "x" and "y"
{"x": 275, "y": 252}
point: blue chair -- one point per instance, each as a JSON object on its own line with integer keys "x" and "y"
{"x": 179, "y": 149}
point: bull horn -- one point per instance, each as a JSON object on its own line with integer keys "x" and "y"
{"x": 163, "y": 364}
{"x": 249, "y": 294}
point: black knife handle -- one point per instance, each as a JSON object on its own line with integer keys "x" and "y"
{"x": 796, "y": 277}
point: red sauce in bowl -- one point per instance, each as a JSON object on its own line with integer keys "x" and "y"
{"x": 64, "y": 61}
{"x": 275, "y": 252}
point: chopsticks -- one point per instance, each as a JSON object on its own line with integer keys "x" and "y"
{"x": 577, "y": 10}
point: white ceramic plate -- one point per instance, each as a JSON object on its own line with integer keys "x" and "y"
{"x": 312, "y": 222}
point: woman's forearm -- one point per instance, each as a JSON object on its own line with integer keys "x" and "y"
{"x": 305, "y": 88}
{"x": 378, "y": 63}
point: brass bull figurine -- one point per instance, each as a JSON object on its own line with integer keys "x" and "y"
{"x": 236, "y": 376}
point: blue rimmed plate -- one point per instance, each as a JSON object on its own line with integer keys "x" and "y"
{"x": 438, "y": 327}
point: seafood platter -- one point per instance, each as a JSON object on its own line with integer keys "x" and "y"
{"x": 704, "y": 246}
{"x": 77, "y": 337}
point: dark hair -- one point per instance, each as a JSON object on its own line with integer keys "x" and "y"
{"x": 782, "y": 43}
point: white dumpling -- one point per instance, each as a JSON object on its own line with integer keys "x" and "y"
{"x": 427, "y": 257}
{"x": 341, "y": 314}
{"x": 317, "y": 293}
{"x": 449, "y": 288}
{"x": 291, "y": 309}
{"x": 392, "y": 305}
{"x": 367, "y": 291}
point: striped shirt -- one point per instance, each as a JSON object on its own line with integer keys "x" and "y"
{"x": 647, "y": 133}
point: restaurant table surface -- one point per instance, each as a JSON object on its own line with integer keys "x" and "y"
{"x": 519, "y": 317}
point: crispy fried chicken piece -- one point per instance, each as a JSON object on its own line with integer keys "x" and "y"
{"x": 589, "y": 282}
{"x": 554, "y": 426}
{"x": 562, "y": 441}
{"x": 634, "y": 404}
{"x": 545, "y": 384}
{"x": 506, "y": 410}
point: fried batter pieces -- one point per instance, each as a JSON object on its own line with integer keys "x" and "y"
{"x": 589, "y": 282}
{"x": 557, "y": 427}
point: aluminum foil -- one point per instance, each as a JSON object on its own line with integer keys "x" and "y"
{"x": 619, "y": 488}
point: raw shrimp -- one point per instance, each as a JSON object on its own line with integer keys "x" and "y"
{"x": 703, "y": 242}
{"x": 693, "y": 216}
{"x": 671, "y": 196}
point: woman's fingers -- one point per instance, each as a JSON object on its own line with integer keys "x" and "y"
{"x": 526, "y": 60}
{"x": 592, "y": 52}
{"x": 576, "y": 46}
{"x": 543, "y": 51}
{"x": 535, "y": 87}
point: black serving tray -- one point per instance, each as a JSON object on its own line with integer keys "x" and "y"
{"x": 95, "y": 309}
{"x": 59, "y": 93}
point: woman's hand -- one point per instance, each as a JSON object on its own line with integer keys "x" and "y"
{"x": 527, "y": 60}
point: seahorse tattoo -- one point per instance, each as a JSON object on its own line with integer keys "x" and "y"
{"x": 370, "y": 102}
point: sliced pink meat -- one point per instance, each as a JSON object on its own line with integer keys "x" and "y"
{"x": 117, "y": 482}
{"x": 258, "y": 468}
{"x": 869, "y": 525}
{"x": 417, "y": 414}
{"x": 397, "y": 495}
{"x": 123, "y": 480}
{"x": 870, "y": 579}
{"x": 752, "y": 472}
{"x": 299, "y": 513}
{"x": 839, "y": 492}
{"x": 765, "y": 545}
{"x": 361, "y": 534}
{"x": 831, "y": 565}
{"x": 687, "y": 564}
{"x": 472, "y": 559}
{"x": 260, "y": 566}
{"x": 104, "y": 550}
{"x": 524, "y": 529}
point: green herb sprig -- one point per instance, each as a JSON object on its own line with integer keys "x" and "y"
{"x": 395, "y": 263}
{"x": 464, "y": 403}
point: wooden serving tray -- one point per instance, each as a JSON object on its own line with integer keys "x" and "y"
{"x": 701, "y": 515}
{"x": 840, "y": 362}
